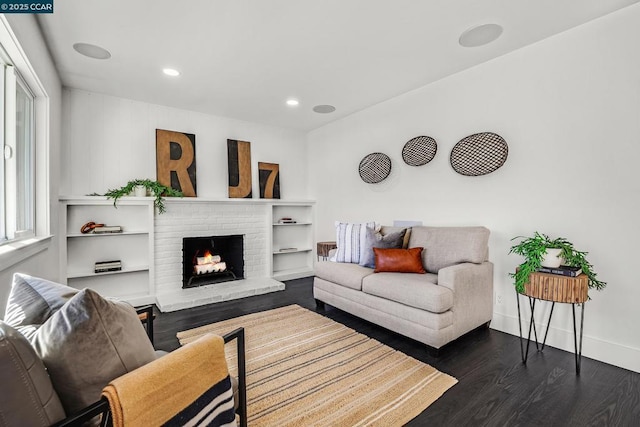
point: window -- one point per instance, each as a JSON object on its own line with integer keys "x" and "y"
{"x": 18, "y": 165}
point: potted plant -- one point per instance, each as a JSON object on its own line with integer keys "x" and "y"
{"x": 156, "y": 189}
{"x": 534, "y": 249}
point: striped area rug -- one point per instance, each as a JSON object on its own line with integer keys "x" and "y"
{"x": 304, "y": 369}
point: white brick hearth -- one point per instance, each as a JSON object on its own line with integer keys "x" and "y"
{"x": 201, "y": 218}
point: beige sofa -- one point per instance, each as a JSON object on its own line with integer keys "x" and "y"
{"x": 454, "y": 297}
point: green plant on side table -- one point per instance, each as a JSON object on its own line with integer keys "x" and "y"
{"x": 533, "y": 249}
{"x": 157, "y": 190}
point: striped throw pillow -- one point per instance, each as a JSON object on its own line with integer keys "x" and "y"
{"x": 350, "y": 240}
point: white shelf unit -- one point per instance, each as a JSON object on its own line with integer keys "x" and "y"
{"x": 292, "y": 244}
{"x": 134, "y": 247}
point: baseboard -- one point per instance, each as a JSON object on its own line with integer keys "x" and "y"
{"x": 594, "y": 348}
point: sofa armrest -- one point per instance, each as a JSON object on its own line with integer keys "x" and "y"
{"x": 472, "y": 286}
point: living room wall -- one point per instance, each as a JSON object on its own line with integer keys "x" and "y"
{"x": 108, "y": 141}
{"x": 46, "y": 263}
{"x": 569, "y": 108}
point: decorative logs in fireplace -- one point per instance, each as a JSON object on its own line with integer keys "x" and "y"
{"x": 214, "y": 259}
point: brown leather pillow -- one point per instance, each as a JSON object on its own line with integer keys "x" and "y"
{"x": 399, "y": 260}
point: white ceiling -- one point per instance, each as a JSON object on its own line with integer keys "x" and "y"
{"x": 243, "y": 58}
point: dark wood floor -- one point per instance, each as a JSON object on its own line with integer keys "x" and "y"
{"x": 494, "y": 388}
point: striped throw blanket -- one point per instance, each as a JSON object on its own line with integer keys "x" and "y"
{"x": 189, "y": 386}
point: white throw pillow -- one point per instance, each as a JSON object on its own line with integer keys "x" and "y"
{"x": 350, "y": 240}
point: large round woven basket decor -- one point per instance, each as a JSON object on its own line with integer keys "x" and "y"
{"x": 419, "y": 151}
{"x": 374, "y": 168}
{"x": 479, "y": 154}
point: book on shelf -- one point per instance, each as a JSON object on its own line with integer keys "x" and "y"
{"x": 107, "y": 269}
{"x": 104, "y": 266}
{"x": 288, "y": 249}
{"x": 287, "y": 221}
{"x": 563, "y": 270}
{"x": 108, "y": 229}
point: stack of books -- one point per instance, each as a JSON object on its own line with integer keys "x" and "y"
{"x": 105, "y": 266}
{"x": 563, "y": 270}
{"x": 286, "y": 221}
{"x": 108, "y": 229}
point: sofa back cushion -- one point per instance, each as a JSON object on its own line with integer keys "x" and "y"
{"x": 446, "y": 246}
{"x": 28, "y": 398}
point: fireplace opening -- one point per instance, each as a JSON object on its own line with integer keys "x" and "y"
{"x": 214, "y": 259}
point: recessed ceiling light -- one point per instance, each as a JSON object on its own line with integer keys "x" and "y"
{"x": 292, "y": 102}
{"x": 171, "y": 72}
{"x": 480, "y": 35}
{"x": 324, "y": 109}
{"x": 92, "y": 51}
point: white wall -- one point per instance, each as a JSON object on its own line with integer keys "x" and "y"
{"x": 108, "y": 141}
{"x": 569, "y": 108}
{"x": 46, "y": 263}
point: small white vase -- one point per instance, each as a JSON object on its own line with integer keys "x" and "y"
{"x": 140, "y": 191}
{"x": 552, "y": 258}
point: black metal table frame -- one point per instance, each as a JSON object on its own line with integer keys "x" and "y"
{"x": 532, "y": 326}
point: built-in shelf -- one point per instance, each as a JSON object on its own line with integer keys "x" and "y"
{"x": 292, "y": 251}
{"x": 88, "y": 273}
{"x": 292, "y": 264}
{"x": 134, "y": 247}
{"x": 124, "y": 233}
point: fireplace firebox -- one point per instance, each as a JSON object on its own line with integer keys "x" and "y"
{"x": 214, "y": 259}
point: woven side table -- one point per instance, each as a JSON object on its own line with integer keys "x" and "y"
{"x": 554, "y": 288}
{"x": 324, "y": 248}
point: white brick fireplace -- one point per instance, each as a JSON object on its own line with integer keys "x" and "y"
{"x": 196, "y": 217}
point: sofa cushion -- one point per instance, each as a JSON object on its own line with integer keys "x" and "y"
{"x": 375, "y": 239}
{"x": 415, "y": 290}
{"x": 30, "y": 399}
{"x": 349, "y": 275}
{"x": 33, "y": 300}
{"x": 398, "y": 260}
{"x": 446, "y": 246}
{"x": 88, "y": 342}
{"x": 350, "y": 240}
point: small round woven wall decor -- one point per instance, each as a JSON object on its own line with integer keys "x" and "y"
{"x": 479, "y": 154}
{"x": 419, "y": 151}
{"x": 374, "y": 168}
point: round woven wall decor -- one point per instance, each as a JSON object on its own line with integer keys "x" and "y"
{"x": 374, "y": 168}
{"x": 419, "y": 151}
{"x": 479, "y": 154}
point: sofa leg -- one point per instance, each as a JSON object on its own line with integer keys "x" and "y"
{"x": 319, "y": 304}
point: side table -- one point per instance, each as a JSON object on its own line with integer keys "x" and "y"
{"x": 554, "y": 288}
{"x": 324, "y": 248}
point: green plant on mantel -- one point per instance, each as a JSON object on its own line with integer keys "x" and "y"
{"x": 157, "y": 190}
{"x": 533, "y": 250}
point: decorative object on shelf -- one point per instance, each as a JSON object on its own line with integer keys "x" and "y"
{"x": 419, "y": 151}
{"x": 374, "y": 168}
{"x": 157, "y": 189}
{"x": 140, "y": 191}
{"x": 533, "y": 250}
{"x": 287, "y": 220}
{"x": 88, "y": 227}
{"x": 269, "y": 180}
{"x": 479, "y": 154}
{"x": 176, "y": 161}
{"x": 239, "y": 161}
